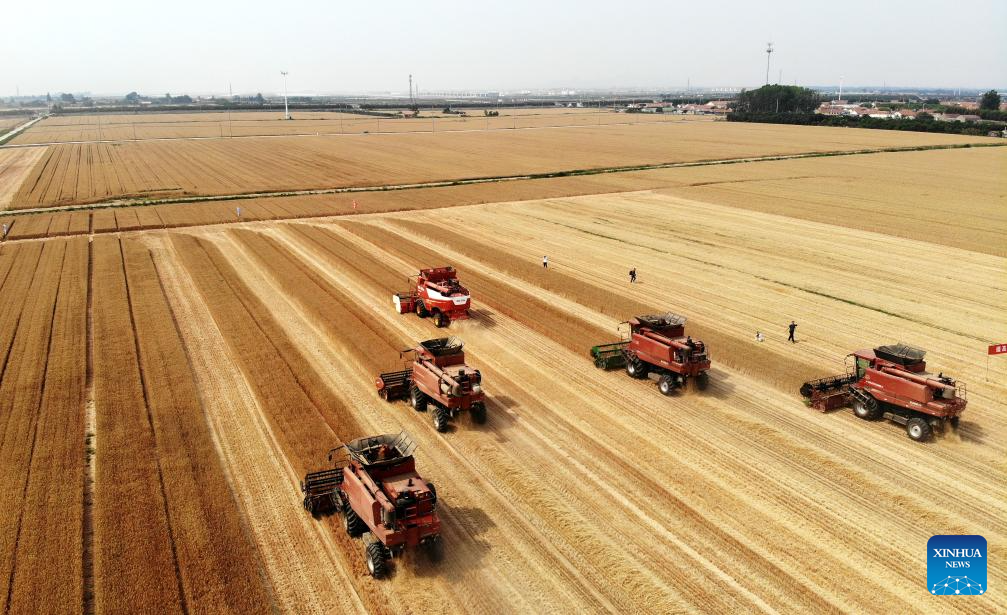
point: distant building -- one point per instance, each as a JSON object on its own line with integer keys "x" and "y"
{"x": 906, "y": 114}
{"x": 971, "y": 105}
{"x": 957, "y": 117}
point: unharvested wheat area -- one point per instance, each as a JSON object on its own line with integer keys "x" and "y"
{"x": 169, "y": 373}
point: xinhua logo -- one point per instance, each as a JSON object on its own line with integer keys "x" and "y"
{"x": 956, "y": 565}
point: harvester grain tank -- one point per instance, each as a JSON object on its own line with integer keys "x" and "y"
{"x": 373, "y": 483}
{"x": 892, "y": 382}
{"x": 657, "y": 345}
{"x": 438, "y": 294}
{"x": 438, "y": 377}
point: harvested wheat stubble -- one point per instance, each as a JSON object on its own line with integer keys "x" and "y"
{"x": 15, "y": 165}
{"x": 103, "y": 221}
{"x": 24, "y": 371}
{"x": 299, "y": 408}
{"x": 136, "y": 566}
{"x": 29, "y": 227}
{"x": 52, "y": 523}
{"x": 242, "y": 166}
{"x": 218, "y": 565}
{"x": 255, "y": 464}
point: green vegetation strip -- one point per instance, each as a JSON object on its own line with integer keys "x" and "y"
{"x": 480, "y": 180}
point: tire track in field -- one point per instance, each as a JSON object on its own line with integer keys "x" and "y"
{"x": 252, "y": 459}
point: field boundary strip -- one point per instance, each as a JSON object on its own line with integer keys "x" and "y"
{"x": 121, "y": 203}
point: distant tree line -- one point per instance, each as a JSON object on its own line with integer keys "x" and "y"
{"x": 923, "y": 123}
{"x": 778, "y": 99}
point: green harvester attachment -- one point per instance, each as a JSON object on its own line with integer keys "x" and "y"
{"x": 609, "y": 356}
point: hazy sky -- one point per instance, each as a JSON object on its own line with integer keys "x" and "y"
{"x": 185, "y": 46}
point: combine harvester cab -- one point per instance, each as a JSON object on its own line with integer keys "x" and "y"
{"x": 658, "y": 345}
{"x": 892, "y": 382}
{"x": 437, "y": 294}
{"x": 374, "y": 485}
{"x": 440, "y": 378}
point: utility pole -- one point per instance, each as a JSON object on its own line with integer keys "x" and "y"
{"x": 769, "y": 54}
{"x": 412, "y": 103}
{"x": 286, "y": 109}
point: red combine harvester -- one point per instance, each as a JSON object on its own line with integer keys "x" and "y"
{"x": 892, "y": 382}
{"x": 438, "y": 294}
{"x": 374, "y": 484}
{"x": 657, "y": 345}
{"x": 439, "y": 377}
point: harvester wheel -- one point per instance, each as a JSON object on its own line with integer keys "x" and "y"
{"x": 376, "y": 560}
{"x": 441, "y": 420}
{"x": 309, "y": 505}
{"x": 868, "y": 409}
{"x": 440, "y": 320}
{"x": 478, "y": 412}
{"x": 353, "y": 524}
{"x": 636, "y": 368}
{"x": 434, "y": 548}
{"x": 954, "y": 422}
{"x": 703, "y": 380}
{"x": 919, "y": 430}
{"x": 666, "y": 385}
{"x": 421, "y": 310}
{"x": 433, "y": 492}
{"x": 418, "y": 399}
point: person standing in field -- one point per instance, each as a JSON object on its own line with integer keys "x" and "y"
{"x": 759, "y": 336}
{"x": 632, "y": 275}
{"x": 792, "y": 327}
{"x": 545, "y": 262}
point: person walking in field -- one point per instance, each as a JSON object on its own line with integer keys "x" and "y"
{"x": 545, "y": 262}
{"x": 632, "y": 275}
{"x": 792, "y": 327}
{"x": 759, "y": 337}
